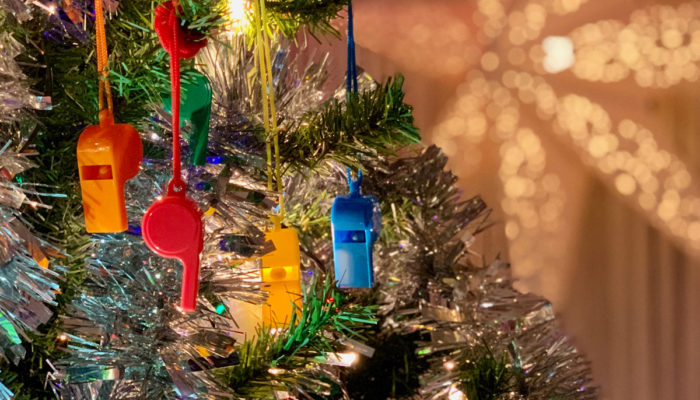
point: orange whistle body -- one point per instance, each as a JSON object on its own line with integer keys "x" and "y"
{"x": 282, "y": 277}
{"x": 109, "y": 154}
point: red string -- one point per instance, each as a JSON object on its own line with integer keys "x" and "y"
{"x": 175, "y": 100}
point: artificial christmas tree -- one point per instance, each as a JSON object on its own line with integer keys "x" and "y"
{"x": 277, "y": 155}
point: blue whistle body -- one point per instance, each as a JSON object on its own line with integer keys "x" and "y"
{"x": 354, "y": 231}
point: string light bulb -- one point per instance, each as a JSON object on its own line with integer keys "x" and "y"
{"x": 238, "y": 11}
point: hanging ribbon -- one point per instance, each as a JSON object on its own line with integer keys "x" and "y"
{"x": 104, "y": 91}
{"x": 176, "y": 184}
{"x": 351, "y": 75}
{"x": 262, "y": 47}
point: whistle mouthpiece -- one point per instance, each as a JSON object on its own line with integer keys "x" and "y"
{"x": 190, "y": 282}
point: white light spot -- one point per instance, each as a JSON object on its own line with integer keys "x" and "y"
{"x": 559, "y": 52}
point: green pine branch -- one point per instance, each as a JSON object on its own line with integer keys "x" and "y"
{"x": 486, "y": 378}
{"x": 325, "y": 313}
{"x": 204, "y": 16}
{"x": 373, "y": 122}
{"x": 289, "y": 16}
{"x": 284, "y": 16}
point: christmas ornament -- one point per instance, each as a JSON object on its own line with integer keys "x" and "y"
{"x": 172, "y": 225}
{"x": 282, "y": 275}
{"x": 195, "y": 106}
{"x": 354, "y": 230}
{"x": 172, "y": 228}
{"x": 109, "y": 154}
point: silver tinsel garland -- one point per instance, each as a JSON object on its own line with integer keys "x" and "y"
{"x": 28, "y": 282}
{"x": 127, "y": 339}
{"x": 429, "y": 282}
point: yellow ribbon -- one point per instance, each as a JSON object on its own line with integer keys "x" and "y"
{"x": 262, "y": 47}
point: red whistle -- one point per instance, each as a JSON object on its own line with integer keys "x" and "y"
{"x": 109, "y": 154}
{"x": 172, "y": 228}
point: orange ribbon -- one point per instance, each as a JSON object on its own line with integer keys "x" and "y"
{"x": 102, "y": 59}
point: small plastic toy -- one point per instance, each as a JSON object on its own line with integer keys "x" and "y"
{"x": 282, "y": 276}
{"x": 172, "y": 228}
{"x": 109, "y": 154}
{"x": 195, "y": 107}
{"x": 354, "y": 225}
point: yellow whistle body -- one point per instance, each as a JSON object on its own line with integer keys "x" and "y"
{"x": 109, "y": 154}
{"x": 282, "y": 277}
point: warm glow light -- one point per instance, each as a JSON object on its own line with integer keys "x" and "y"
{"x": 347, "y": 358}
{"x": 455, "y": 394}
{"x": 238, "y": 14}
{"x": 51, "y": 9}
{"x": 341, "y": 359}
{"x": 654, "y": 47}
{"x": 559, "y": 52}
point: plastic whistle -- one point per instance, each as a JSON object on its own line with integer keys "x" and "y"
{"x": 109, "y": 154}
{"x": 195, "y": 106}
{"x": 172, "y": 228}
{"x": 354, "y": 234}
{"x": 282, "y": 275}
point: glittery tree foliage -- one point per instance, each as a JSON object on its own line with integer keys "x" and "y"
{"x": 437, "y": 324}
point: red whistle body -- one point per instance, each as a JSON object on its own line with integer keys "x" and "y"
{"x": 172, "y": 228}
{"x": 109, "y": 154}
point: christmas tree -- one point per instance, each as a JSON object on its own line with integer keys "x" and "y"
{"x": 299, "y": 296}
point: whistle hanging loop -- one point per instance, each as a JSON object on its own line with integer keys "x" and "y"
{"x": 175, "y": 95}
{"x": 276, "y": 222}
{"x": 104, "y": 90}
{"x": 354, "y": 183}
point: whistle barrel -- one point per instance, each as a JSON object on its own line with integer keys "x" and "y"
{"x": 190, "y": 282}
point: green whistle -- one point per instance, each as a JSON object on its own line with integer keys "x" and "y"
{"x": 195, "y": 106}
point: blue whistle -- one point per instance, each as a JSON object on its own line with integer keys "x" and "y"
{"x": 355, "y": 224}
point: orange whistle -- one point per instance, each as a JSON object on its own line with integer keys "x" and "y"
{"x": 109, "y": 154}
{"x": 281, "y": 272}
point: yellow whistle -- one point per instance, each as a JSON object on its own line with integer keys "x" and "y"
{"x": 282, "y": 276}
{"x": 109, "y": 154}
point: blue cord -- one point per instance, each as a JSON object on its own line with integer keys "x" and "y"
{"x": 352, "y": 86}
{"x": 354, "y": 183}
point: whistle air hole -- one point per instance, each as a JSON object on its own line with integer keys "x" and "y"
{"x": 278, "y": 273}
{"x": 350, "y": 236}
{"x": 96, "y": 172}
